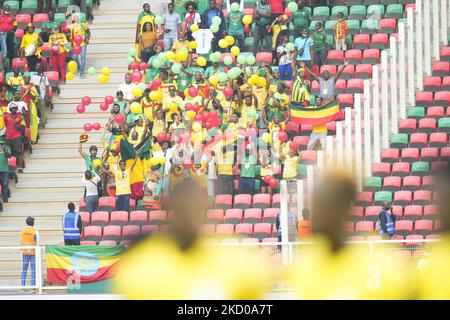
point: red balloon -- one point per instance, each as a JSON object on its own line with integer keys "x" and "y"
{"x": 228, "y": 91}
{"x": 293, "y": 145}
{"x": 196, "y": 107}
{"x": 253, "y": 132}
{"x": 103, "y": 106}
{"x": 133, "y": 65}
{"x": 157, "y": 82}
{"x": 81, "y": 108}
{"x": 55, "y": 49}
{"x": 96, "y": 126}
{"x": 189, "y": 107}
{"x": 87, "y": 127}
{"x": 273, "y": 183}
{"x": 193, "y": 92}
{"x": 109, "y": 100}
{"x": 119, "y": 118}
{"x": 282, "y": 136}
{"x": 136, "y": 77}
{"x": 161, "y": 137}
{"x": 78, "y": 39}
{"x": 167, "y": 137}
{"x": 143, "y": 66}
{"x": 267, "y": 179}
{"x": 213, "y": 114}
{"x": 64, "y": 27}
{"x": 85, "y": 101}
{"x": 76, "y": 50}
{"x": 205, "y": 115}
{"x": 198, "y": 118}
{"x": 209, "y": 125}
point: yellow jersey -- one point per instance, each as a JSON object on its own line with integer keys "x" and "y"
{"x": 122, "y": 182}
{"x": 56, "y": 39}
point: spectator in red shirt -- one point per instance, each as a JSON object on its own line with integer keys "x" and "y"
{"x": 7, "y": 23}
{"x": 15, "y": 129}
{"x": 277, "y": 8}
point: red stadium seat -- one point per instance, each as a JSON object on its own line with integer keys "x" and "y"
{"x": 356, "y": 213}
{"x": 445, "y": 154}
{"x": 131, "y": 232}
{"x": 429, "y": 154}
{"x": 261, "y": 200}
{"x": 157, "y": 217}
{"x": 215, "y": 216}
{"x": 427, "y": 125}
{"x": 445, "y": 83}
{"x": 340, "y": 86}
{"x": 126, "y": 242}
{"x": 244, "y": 229}
{"x": 407, "y": 126}
{"x": 262, "y": 57}
{"x": 413, "y": 213}
{"x": 442, "y": 98}
{"x": 345, "y": 100}
{"x": 441, "y": 69}
{"x": 438, "y": 139}
{"x": 402, "y": 198}
{"x": 388, "y": 25}
{"x": 106, "y": 203}
{"x": 349, "y": 227}
{"x": 225, "y": 228}
{"x": 435, "y": 112}
{"x": 233, "y": 216}
{"x": 411, "y": 183}
{"x": 315, "y": 87}
{"x": 355, "y": 86}
{"x": 39, "y": 18}
{"x": 379, "y": 41}
{"x": 92, "y": 233}
{"x": 108, "y": 243}
{"x": 84, "y": 243}
{"x": 119, "y": 218}
{"x": 392, "y": 184}
{"x": 432, "y": 84}
{"x": 438, "y": 166}
{"x": 348, "y": 72}
{"x": 427, "y": 183}
{"x": 270, "y": 215}
{"x": 112, "y": 233}
{"x": 223, "y": 201}
{"x": 390, "y": 155}
{"x": 430, "y": 212}
{"x": 149, "y": 229}
{"x": 423, "y": 227}
{"x": 401, "y": 169}
{"x": 305, "y": 130}
{"x": 262, "y": 230}
{"x": 82, "y": 204}
{"x": 99, "y": 218}
{"x": 361, "y": 41}
{"x": 445, "y": 54}
{"x": 410, "y": 155}
{"x": 364, "y": 227}
{"x": 363, "y": 71}
{"x": 292, "y": 127}
{"x": 53, "y": 78}
{"x": 302, "y": 141}
{"x": 424, "y": 99}
{"x": 276, "y": 200}
{"x": 242, "y": 201}
{"x": 308, "y": 157}
{"x": 371, "y": 56}
{"x": 23, "y": 20}
{"x": 85, "y": 218}
{"x": 252, "y": 215}
{"x": 414, "y": 245}
{"x": 422, "y": 197}
{"x": 418, "y": 140}
{"x": 139, "y": 217}
{"x": 403, "y": 227}
{"x": 364, "y": 199}
{"x": 19, "y": 64}
{"x": 397, "y": 210}
{"x": 353, "y": 56}
{"x": 328, "y": 67}
{"x": 335, "y": 57}
{"x": 372, "y": 213}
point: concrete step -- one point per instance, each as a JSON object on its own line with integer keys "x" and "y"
{"x": 68, "y": 138}
{"x": 27, "y": 182}
{"x": 54, "y": 125}
{"x": 48, "y": 208}
{"x": 122, "y": 48}
{"x": 115, "y": 77}
{"x": 45, "y": 196}
{"x": 99, "y": 92}
{"x": 121, "y": 33}
{"x": 118, "y": 19}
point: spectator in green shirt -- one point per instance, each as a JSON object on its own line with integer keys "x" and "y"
{"x": 5, "y": 153}
{"x": 202, "y": 6}
{"x": 123, "y": 104}
{"x": 320, "y": 45}
{"x": 248, "y": 172}
{"x": 301, "y": 18}
{"x": 235, "y": 27}
{"x": 180, "y": 8}
{"x": 262, "y": 17}
{"x": 213, "y": 69}
{"x": 183, "y": 78}
{"x": 89, "y": 158}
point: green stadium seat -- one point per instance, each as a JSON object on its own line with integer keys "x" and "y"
{"x": 394, "y": 11}
{"x": 415, "y": 113}
{"x": 351, "y": 3}
{"x": 399, "y": 140}
{"x": 353, "y": 26}
{"x": 382, "y": 196}
{"x": 375, "y": 11}
{"x": 371, "y": 2}
{"x": 357, "y": 12}
{"x": 336, "y": 9}
{"x": 372, "y": 184}
{"x": 329, "y": 26}
{"x": 29, "y": 6}
{"x": 369, "y": 26}
{"x": 60, "y": 18}
{"x": 63, "y": 5}
{"x": 420, "y": 168}
{"x": 321, "y": 13}
{"x": 14, "y": 6}
{"x": 444, "y": 125}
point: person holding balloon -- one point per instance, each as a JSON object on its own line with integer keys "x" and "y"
{"x": 290, "y": 161}
{"x": 235, "y": 24}
{"x": 214, "y": 16}
{"x": 79, "y": 36}
{"x": 57, "y": 42}
{"x": 30, "y": 47}
{"x": 171, "y": 105}
{"x": 285, "y": 58}
{"x": 40, "y": 81}
{"x": 192, "y": 20}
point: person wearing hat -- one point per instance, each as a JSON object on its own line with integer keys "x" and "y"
{"x": 89, "y": 158}
{"x": 72, "y": 226}
{"x": 57, "y": 42}
{"x": 15, "y": 129}
{"x": 30, "y": 47}
{"x": 78, "y": 28}
{"x": 29, "y": 236}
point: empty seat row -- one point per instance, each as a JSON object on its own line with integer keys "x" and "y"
{"x": 411, "y": 212}
{"x": 106, "y": 204}
{"x": 424, "y": 125}
{"x": 401, "y": 198}
{"x": 392, "y": 10}
{"x": 396, "y": 183}
{"x": 403, "y": 169}
{"x": 121, "y": 218}
{"x": 429, "y": 98}
{"x": 235, "y": 216}
{"x": 435, "y": 83}
{"x": 402, "y": 227}
{"x": 410, "y": 155}
{"x": 354, "y": 56}
{"x": 428, "y": 111}
{"x": 350, "y": 86}
{"x": 419, "y": 140}
{"x": 118, "y": 233}
{"x": 258, "y": 230}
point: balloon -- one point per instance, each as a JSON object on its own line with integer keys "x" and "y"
{"x": 213, "y": 113}
{"x": 143, "y": 66}
{"x": 213, "y": 80}
{"x": 176, "y": 68}
{"x": 154, "y": 161}
{"x": 214, "y": 28}
{"x": 222, "y": 76}
{"x": 156, "y": 63}
{"x": 228, "y": 60}
{"x": 133, "y": 66}
{"x": 215, "y": 56}
{"x": 190, "y": 114}
{"x": 103, "y": 106}
{"x": 55, "y": 49}
{"x": 106, "y": 71}
{"x": 241, "y": 59}
{"x": 194, "y": 27}
{"x": 247, "y": 19}
{"x": 253, "y": 79}
{"x": 78, "y": 39}
{"x": 196, "y": 127}
{"x": 193, "y": 45}
{"x": 76, "y": 50}
{"x": 267, "y": 179}
{"x": 290, "y": 47}
{"x": 87, "y": 127}
{"x": 142, "y": 85}
{"x": 251, "y": 60}
{"x": 119, "y": 118}
{"x": 193, "y": 92}
{"x": 253, "y": 132}
{"x": 208, "y": 125}
{"x": 188, "y": 107}
{"x": 162, "y": 160}
{"x": 233, "y": 73}
{"x": 235, "y": 51}
{"x": 266, "y": 137}
{"x": 70, "y": 76}
{"x": 136, "y": 92}
{"x": 81, "y": 108}
{"x": 196, "y": 108}
{"x": 97, "y": 162}
{"x": 72, "y": 66}
{"x": 229, "y": 40}
{"x": 223, "y": 43}
{"x": 293, "y": 146}
{"x": 282, "y": 136}
{"x": 216, "y": 20}
{"x": 167, "y": 137}
{"x": 274, "y": 182}
{"x": 135, "y": 108}
{"x": 96, "y": 126}
{"x": 132, "y": 52}
{"x": 235, "y": 7}
{"x": 170, "y": 55}
{"x": 85, "y": 101}
{"x": 130, "y": 60}
{"x": 261, "y": 82}
{"x": 159, "y": 20}
{"x": 182, "y": 55}
{"x": 136, "y": 76}
{"x": 157, "y": 82}
{"x": 228, "y": 91}
{"x": 161, "y": 137}
{"x": 292, "y": 7}
{"x": 91, "y": 71}
{"x": 155, "y": 95}
{"x": 173, "y": 107}
{"x": 251, "y": 113}
{"x": 201, "y": 61}
{"x": 102, "y": 78}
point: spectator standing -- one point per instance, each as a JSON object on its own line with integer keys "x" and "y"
{"x": 304, "y": 226}
{"x": 7, "y": 24}
{"x": 340, "y": 32}
{"x": 207, "y": 19}
{"x": 29, "y": 236}
{"x": 284, "y": 59}
{"x": 277, "y": 8}
{"x": 304, "y": 51}
{"x": 248, "y": 172}
{"x": 126, "y": 88}
{"x": 212, "y": 176}
{"x": 58, "y": 42}
{"x": 192, "y": 17}
{"x": 42, "y": 85}
{"x": 145, "y": 16}
{"x": 89, "y": 158}
{"x": 5, "y": 154}
{"x": 48, "y": 5}
{"x": 147, "y": 42}
{"x": 235, "y": 26}
{"x": 262, "y": 16}
{"x": 301, "y": 18}
{"x": 91, "y": 183}
{"x": 30, "y": 47}
{"x": 319, "y": 131}
{"x": 387, "y": 220}
{"x": 326, "y": 81}
{"x": 320, "y": 45}
{"x": 172, "y": 21}
{"x": 225, "y": 163}
{"x": 15, "y": 130}
{"x": 180, "y": 7}
{"x": 123, "y": 189}
{"x": 78, "y": 28}
{"x": 202, "y": 6}
{"x": 72, "y": 226}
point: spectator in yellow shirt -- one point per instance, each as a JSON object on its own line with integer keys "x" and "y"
{"x": 181, "y": 42}
{"x": 30, "y": 47}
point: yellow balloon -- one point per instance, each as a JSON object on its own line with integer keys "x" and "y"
{"x": 235, "y": 51}
{"x": 213, "y": 80}
{"x": 247, "y": 19}
{"x": 136, "y": 108}
{"x": 173, "y": 107}
{"x": 201, "y": 61}
{"x": 155, "y": 95}
{"x": 190, "y": 114}
{"x": 230, "y": 40}
{"x": 253, "y": 79}
{"x": 181, "y": 55}
{"x": 162, "y": 160}
{"x": 154, "y": 161}
{"x": 70, "y": 76}
{"x": 261, "y": 82}
{"x": 170, "y": 55}
{"x": 223, "y": 43}
{"x": 194, "y": 27}
{"x": 266, "y": 137}
{"x": 136, "y": 91}
{"x": 196, "y": 127}
{"x": 193, "y": 45}
{"x": 106, "y": 71}
{"x": 186, "y": 93}
{"x": 97, "y": 162}
{"x": 102, "y": 78}
{"x": 72, "y": 66}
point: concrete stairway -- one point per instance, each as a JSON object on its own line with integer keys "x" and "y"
{"x": 53, "y": 173}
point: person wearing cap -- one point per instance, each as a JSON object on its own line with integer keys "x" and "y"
{"x": 5, "y": 154}
{"x": 15, "y": 129}
{"x": 57, "y": 42}
{"x": 30, "y": 47}
{"x": 14, "y": 82}
{"x": 72, "y": 226}
{"x": 89, "y": 158}
{"x": 78, "y": 28}
{"x": 29, "y": 236}
{"x": 7, "y": 24}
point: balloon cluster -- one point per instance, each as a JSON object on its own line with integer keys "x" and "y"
{"x": 208, "y": 119}
{"x": 215, "y": 26}
{"x": 76, "y": 49}
{"x": 104, "y": 106}
{"x": 162, "y": 137}
{"x": 104, "y": 75}
{"x": 85, "y": 101}
{"x": 154, "y": 161}
{"x": 72, "y": 67}
{"x": 271, "y": 181}
{"x": 89, "y": 127}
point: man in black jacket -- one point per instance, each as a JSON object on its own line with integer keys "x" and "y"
{"x": 207, "y": 19}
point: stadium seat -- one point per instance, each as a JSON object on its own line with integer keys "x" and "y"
{"x": 85, "y": 218}
{"x": 361, "y": 41}
{"x": 139, "y": 218}
{"x": 261, "y": 201}
{"x": 410, "y": 155}
{"x": 86, "y": 243}
{"x": 92, "y": 233}
{"x": 422, "y": 197}
{"x": 369, "y": 26}
{"x": 372, "y": 213}
{"x": 340, "y": 86}
{"x": 262, "y": 57}
{"x": 353, "y": 56}
{"x": 244, "y": 229}
{"x": 99, "y": 218}
{"x": 348, "y": 228}
{"x": 400, "y": 169}
{"x": 233, "y": 216}
{"x": 390, "y": 155}
{"x": 364, "y": 199}
{"x": 392, "y": 184}
{"x": 445, "y": 154}
{"x": 357, "y": 12}
{"x": 388, "y": 25}
{"x": 262, "y": 230}
{"x": 355, "y": 86}
{"x": 335, "y": 57}
{"x": 348, "y": 72}
{"x": 39, "y": 19}
{"x": 427, "y": 125}
{"x": 242, "y": 201}
{"x": 402, "y": 198}
{"x": 423, "y": 227}
{"x": 420, "y": 168}
{"x": 223, "y": 201}
{"x": 363, "y": 71}
{"x": 157, "y": 217}
{"x": 371, "y": 56}
{"x": 430, "y": 212}
{"x": 276, "y": 200}
{"x": 328, "y": 67}
{"x": 252, "y": 215}
{"x": 438, "y": 139}
{"x": 445, "y": 86}
{"x": 414, "y": 245}
{"x": 270, "y": 215}
{"x": 364, "y": 227}
{"x": 131, "y": 232}
{"x": 353, "y": 26}
{"x": 399, "y": 140}
{"x": 432, "y": 84}
{"x": 126, "y": 242}
{"x": 445, "y": 54}
{"x": 321, "y": 13}
{"x": 427, "y": 183}
{"x": 108, "y": 243}
{"x": 411, "y": 183}
{"x": 416, "y": 113}
{"x": 215, "y": 216}
{"x": 345, "y": 100}
{"x": 106, "y": 204}
{"x": 418, "y": 140}
{"x": 444, "y": 125}
{"x": 23, "y": 20}
{"x": 382, "y": 169}
{"x": 149, "y": 229}
{"x": 119, "y": 218}
{"x": 308, "y": 157}
{"x": 374, "y": 11}
{"x": 355, "y": 214}
{"x": 382, "y": 196}
{"x": 292, "y": 127}
{"x": 435, "y": 112}
{"x": 442, "y": 98}
{"x": 225, "y": 228}
{"x": 372, "y": 184}
{"x": 412, "y": 212}
{"x": 440, "y": 69}
{"x": 407, "y": 126}
{"x": 302, "y": 142}
{"x": 394, "y": 11}
{"x": 403, "y": 227}
{"x": 112, "y": 233}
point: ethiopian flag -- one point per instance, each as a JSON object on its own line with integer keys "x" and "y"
{"x": 329, "y": 111}
{"x": 68, "y": 264}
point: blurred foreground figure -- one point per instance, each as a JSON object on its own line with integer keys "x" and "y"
{"x": 434, "y": 278}
{"x": 329, "y": 269}
{"x": 180, "y": 266}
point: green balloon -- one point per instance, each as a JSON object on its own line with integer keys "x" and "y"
{"x": 235, "y": 7}
{"x": 130, "y": 60}
{"x": 162, "y": 57}
{"x": 159, "y": 20}
{"x": 182, "y": 105}
{"x": 228, "y": 61}
{"x": 156, "y": 63}
{"x": 214, "y": 27}
{"x": 176, "y": 68}
{"x": 91, "y": 71}
{"x": 132, "y": 52}
{"x": 215, "y": 56}
{"x": 241, "y": 59}
{"x": 251, "y": 113}
{"x": 142, "y": 86}
{"x": 217, "y": 20}
{"x": 251, "y": 60}
{"x": 233, "y": 73}
{"x": 290, "y": 47}
{"x": 312, "y": 100}
{"x": 152, "y": 58}
{"x": 222, "y": 76}
{"x": 292, "y": 7}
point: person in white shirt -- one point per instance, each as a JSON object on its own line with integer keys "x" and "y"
{"x": 192, "y": 17}
{"x": 171, "y": 26}
{"x": 91, "y": 182}
{"x": 40, "y": 81}
{"x": 212, "y": 176}
{"x": 126, "y": 87}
